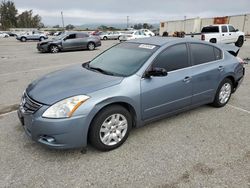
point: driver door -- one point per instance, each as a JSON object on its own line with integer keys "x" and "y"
{"x": 163, "y": 95}
{"x": 70, "y": 42}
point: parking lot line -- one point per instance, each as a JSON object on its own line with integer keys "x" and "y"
{"x": 8, "y": 113}
{"x": 238, "y": 108}
{"x": 31, "y": 70}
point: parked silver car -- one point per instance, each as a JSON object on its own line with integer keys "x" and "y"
{"x": 115, "y": 35}
{"x": 127, "y": 86}
{"x": 34, "y": 35}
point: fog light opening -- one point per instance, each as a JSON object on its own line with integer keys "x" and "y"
{"x": 48, "y": 139}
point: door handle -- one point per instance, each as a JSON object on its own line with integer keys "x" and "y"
{"x": 223, "y": 34}
{"x": 220, "y": 68}
{"x": 187, "y": 79}
{"x": 230, "y": 34}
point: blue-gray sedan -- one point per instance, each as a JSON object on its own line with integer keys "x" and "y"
{"x": 127, "y": 86}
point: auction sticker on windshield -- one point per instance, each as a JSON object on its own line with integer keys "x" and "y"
{"x": 147, "y": 46}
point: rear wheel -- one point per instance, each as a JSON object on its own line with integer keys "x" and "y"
{"x": 105, "y": 38}
{"x": 213, "y": 40}
{"x": 23, "y": 39}
{"x": 54, "y": 49}
{"x": 110, "y": 128}
{"x": 42, "y": 38}
{"x": 240, "y": 42}
{"x": 223, "y": 93}
{"x": 91, "y": 46}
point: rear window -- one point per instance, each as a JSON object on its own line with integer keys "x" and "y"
{"x": 203, "y": 53}
{"x": 210, "y": 29}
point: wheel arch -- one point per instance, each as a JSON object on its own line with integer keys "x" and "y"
{"x": 109, "y": 102}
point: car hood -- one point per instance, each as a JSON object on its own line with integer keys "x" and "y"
{"x": 48, "y": 41}
{"x": 69, "y": 82}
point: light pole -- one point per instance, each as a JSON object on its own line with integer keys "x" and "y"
{"x": 62, "y": 19}
{"x": 127, "y": 22}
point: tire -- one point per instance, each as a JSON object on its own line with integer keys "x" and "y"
{"x": 119, "y": 38}
{"x": 240, "y": 42}
{"x": 91, "y": 46}
{"x": 105, "y": 38}
{"x": 213, "y": 41}
{"x": 110, "y": 128}
{"x": 23, "y": 39}
{"x": 223, "y": 93}
{"x": 41, "y": 39}
{"x": 54, "y": 49}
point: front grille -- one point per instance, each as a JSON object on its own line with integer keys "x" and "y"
{"x": 29, "y": 105}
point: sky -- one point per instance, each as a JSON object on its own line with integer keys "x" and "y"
{"x": 80, "y": 12}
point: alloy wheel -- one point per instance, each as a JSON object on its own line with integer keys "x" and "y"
{"x": 113, "y": 129}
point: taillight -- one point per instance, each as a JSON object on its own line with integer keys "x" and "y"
{"x": 202, "y": 37}
{"x": 241, "y": 61}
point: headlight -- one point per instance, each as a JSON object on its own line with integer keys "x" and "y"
{"x": 66, "y": 107}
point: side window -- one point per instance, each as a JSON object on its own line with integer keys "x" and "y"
{"x": 173, "y": 58}
{"x": 71, "y": 36}
{"x": 231, "y": 28}
{"x": 224, "y": 29}
{"x": 217, "y": 53}
{"x": 202, "y": 53}
{"x": 81, "y": 35}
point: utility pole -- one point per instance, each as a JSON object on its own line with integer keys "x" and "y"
{"x": 62, "y": 19}
{"x": 127, "y": 22}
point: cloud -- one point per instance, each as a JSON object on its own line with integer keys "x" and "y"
{"x": 115, "y": 11}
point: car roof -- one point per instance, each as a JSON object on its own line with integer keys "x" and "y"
{"x": 161, "y": 41}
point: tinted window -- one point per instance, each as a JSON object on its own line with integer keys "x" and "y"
{"x": 71, "y": 36}
{"x": 202, "y": 53}
{"x": 81, "y": 35}
{"x": 123, "y": 59}
{"x": 173, "y": 58}
{"x": 217, "y": 53}
{"x": 231, "y": 28}
{"x": 210, "y": 29}
{"x": 224, "y": 29}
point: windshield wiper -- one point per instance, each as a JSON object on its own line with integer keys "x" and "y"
{"x": 87, "y": 66}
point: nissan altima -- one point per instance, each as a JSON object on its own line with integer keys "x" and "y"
{"x": 127, "y": 86}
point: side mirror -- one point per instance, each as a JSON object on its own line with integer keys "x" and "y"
{"x": 158, "y": 72}
{"x": 65, "y": 38}
{"x": 236, "y": 30}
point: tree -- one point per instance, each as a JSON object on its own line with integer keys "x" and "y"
{"x": 70, "y": 27}
{"x": 27, "y": 20}
{"x": 8, "y": 13}
{"x": 56, "y": 26}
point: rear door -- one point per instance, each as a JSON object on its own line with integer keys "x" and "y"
{"x": 225, "y": 34}
{"x": 206, "y": 71}
{"x": 232, "y": 34}
{"x": 82, "y": 40}
{"x": 163, "y": 95}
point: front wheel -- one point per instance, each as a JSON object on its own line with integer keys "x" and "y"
{"x": 223, "y": 93}
{"x": 54, "y": 49}
{"x": 110, "y": 128}
{"x": 41, "y": 39}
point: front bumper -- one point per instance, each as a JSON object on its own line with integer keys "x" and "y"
{"x": 42, "y": 48}
{"x": 64, "y": 133}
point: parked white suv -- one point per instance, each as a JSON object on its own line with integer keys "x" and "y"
{"x": 222, "y": 34}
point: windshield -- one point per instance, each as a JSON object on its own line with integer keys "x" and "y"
{"x": 123, "y": 59}
{"x": 59, "y": 37}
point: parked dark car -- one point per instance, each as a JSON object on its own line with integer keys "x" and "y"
{"x": 127, "y": 86}
{"x": 69, "y": 41}
{"x": 11, "y": 34}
